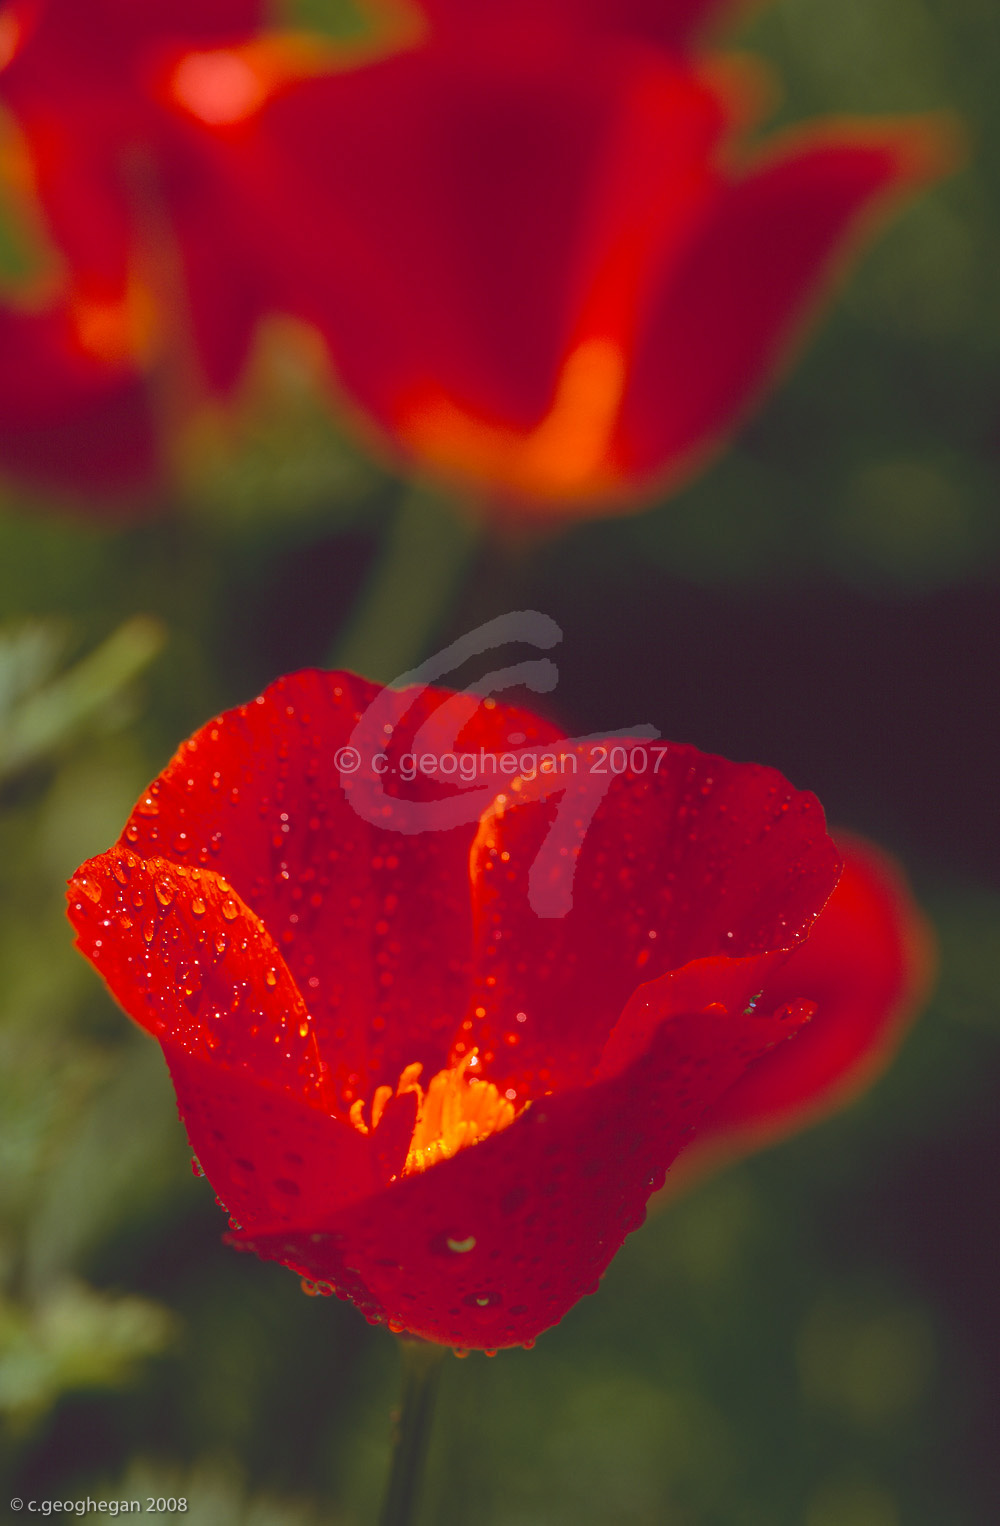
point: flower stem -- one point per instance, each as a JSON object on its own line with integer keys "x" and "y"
{"x": 421, "y": 1362}
{"x": 411, "y": 589}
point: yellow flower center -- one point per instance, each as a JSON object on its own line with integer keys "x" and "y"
{"x": 455, "y": 1109}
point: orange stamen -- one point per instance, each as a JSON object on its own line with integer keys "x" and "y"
{"x": 455, "y": 1110}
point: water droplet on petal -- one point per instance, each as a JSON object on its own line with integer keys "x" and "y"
{"x": 485, "y": 1300}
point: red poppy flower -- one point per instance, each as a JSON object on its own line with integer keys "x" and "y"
{"x": 541, "y": 255}
{"x": 867, "y": 964}
{"x": 402, "y": 1079}
{"x": 157, "y": 271}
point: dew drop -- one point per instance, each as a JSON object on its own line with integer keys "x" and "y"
{"x": 229, "y": 909}
{"x": 461, "y": 1247}
{"x": 221, "y": 944}
{"x": 198, "y": 907}
{"x": 483, "y": 1300}
{"x": 91, "y": 890}
{"x": 165, "y": 889}
{"x": 271, "y": 977}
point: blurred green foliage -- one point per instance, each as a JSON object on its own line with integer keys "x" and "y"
{"x": 811, "y": 1337}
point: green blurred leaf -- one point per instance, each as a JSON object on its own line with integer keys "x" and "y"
{"x": 74, "y": 1339}
{"x": 40, "y": 717}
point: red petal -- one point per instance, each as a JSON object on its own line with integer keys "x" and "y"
{"x": 689, "y": 883}
{"x": 373, "y": 923}
{"x": 726, "y": 314}
{"x": 491, "y": 1247}
{"x": 99, "y": 36}
{"x": 415, "y": 267}
{"x": 867, "y": 966}
{"x": 191, "y": 964}
{"x": 667, "y": 22}
{"x": 66, "y": 420}
{"x": 458, "y": 203}
{"x": 226, "y": 290}
{"x": 271, "y": 1159}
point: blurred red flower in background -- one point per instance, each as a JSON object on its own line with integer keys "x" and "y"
{"x": 155, "y": 269}
{"x": 542, "y": 257}
{"x": 403, "y": 1081}
{"x": 539, "y": 257}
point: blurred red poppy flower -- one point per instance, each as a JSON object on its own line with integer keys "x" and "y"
{"x": 155, "y": 263}
{"x": 404, "y": 1081}
{"x": 541, "y": 253}
{"x": 867, "y": 964}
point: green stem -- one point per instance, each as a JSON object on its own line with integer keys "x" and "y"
{"x": 422, "y": 1362}
{"x": 411, "y": 589}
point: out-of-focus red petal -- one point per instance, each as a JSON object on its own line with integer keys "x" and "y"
{"x": 76, "y": 151}
{"x": 102, "y": 34}
{"x": 688, "y": 886}
{"x": 460, "y": 203}
{"x": 670, "y": 23}
{"x": 491, "y": 1247}
{"x": 447, "y": 211}
{"x": 726, "y": 314}
{"x": 867, "y": 965}
{"x": 66, "y": 420}
{"x": 223, "y": 288}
